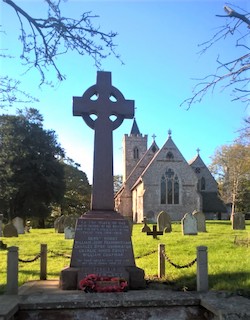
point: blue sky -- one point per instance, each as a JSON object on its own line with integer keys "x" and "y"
{"x": 158, "y": 42}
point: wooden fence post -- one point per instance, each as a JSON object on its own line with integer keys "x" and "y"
{"x": 43, "y": 262}
{"x": 202, "y": 269}
{"x": 12, "y": 271}
{"x": 161, "y": 260}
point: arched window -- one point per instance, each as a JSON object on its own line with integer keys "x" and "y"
{"x": 169, "y": 188}
{"x": 163, "y": 190}
{"x": 136, "y": 153}
{"x": 203, "y": 184}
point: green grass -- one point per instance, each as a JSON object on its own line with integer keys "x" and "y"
{"x": 228, "y": 263}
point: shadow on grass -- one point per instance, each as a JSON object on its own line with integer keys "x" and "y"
{"x": 237, "y": 283}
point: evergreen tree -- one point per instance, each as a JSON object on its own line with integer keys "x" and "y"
{"x": 31, "y": 174}
{"x": 76, "y": 200}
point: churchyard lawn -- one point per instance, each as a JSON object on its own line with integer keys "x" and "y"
{"x": 228, "y": 262}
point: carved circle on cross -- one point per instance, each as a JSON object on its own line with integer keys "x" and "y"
{"x": 115, "y": 97}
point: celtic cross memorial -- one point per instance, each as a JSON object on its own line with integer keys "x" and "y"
{"x": 102, "y": 243}
{"x": 104, "y": 101}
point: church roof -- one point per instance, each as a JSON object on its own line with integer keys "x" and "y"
{"x": 197, "y": 161}
{"x": 135, "y": 130}
{"x": 212, "y": 203}
{"x": 169, "y": 145}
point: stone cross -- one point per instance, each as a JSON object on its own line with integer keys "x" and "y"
{"x": 105, "y": 102}
{"x": 155, "y": 233}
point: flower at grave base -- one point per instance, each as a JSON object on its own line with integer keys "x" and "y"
{"x": 94, "y": 283}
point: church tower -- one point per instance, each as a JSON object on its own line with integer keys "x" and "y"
{"x": 134, "y": 147}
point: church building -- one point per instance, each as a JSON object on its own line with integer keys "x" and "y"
{"x": 160, "y": 179}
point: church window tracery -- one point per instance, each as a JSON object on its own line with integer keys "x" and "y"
{"x": 197, "y": 170}
{"x": 170, "y": 156}
{"x": 169, "y": 188}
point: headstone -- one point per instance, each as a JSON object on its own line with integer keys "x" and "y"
{"x": 155, "y": 233}
{"x": 1, "y": 224}
{"x": 10, "y": 230}
{"x": 238, "y": 221}
{"x": 201, "y": 221}
{"x": 189, "y": 224}
{"x": 164, "y": 221}
{"x": 69, "y": 227}
{"x": 145, "y": 228}
{"x": 102, "y": 243}
{"x": 19, "y": 224}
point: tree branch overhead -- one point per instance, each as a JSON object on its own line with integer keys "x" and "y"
{"x": 232, "y": 74}
{"x": 44, "y": 39}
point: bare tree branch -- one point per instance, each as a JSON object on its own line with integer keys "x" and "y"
{"x": 232, "y": 74}
{"x": 233, "y": 14}
{"x": 10, "y": 93}
{"x": 45, "y": 39}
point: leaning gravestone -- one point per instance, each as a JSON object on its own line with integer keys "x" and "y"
{"x": 10, "y": 230}
{"x": 201, "y": 221}
{"x": 69, "y": 227}
{"x": 1, "y": 224}
{"x": 164, "y": 222}
{"x": 238, "y": 221}
{"x": 102, "y": 243}
{"x": 189, "y": 224}
{"x": 19, "y": 224}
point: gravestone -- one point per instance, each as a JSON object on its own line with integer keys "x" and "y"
{"x": 69, "y": 227}
{"x": 189, "y": 224}
{"x": 164, "y": 222}
{"x": 201, "y": 221}
{"x": 1, "y": 224}
{"x": 238, "y": 221}
{"x": 19, "y": 224}
{"x": 102, "y": 243}
{"x": 145, "y": 228}
{"x": 10, "y": 230}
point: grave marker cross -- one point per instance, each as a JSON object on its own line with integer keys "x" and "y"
{"x": 155, "y": 233}
{"x": 104, "y": 101}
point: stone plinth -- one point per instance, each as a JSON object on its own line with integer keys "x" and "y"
{"x": 102, "y": 246}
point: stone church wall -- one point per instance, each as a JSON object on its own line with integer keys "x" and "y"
{"x": 189, "y": 199}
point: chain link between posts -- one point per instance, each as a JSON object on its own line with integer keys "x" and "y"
{"x": 188, "y": 265}
{"x": 146, "y": 254}
{"x": 56, "y": 254}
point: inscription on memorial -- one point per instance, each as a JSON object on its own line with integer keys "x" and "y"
{"x": 102, "y": 243}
